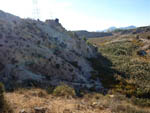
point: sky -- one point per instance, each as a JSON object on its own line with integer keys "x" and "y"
{"x": 91, "y": 15}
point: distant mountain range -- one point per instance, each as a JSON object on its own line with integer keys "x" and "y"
{"x": 113, "y": 28}
{"x": 103, "y": 33}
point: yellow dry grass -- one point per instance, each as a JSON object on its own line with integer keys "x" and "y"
{"x": 29, "y": 99}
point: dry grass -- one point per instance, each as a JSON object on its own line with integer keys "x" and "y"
{"x": 29, "y": 99}
{"x": 90, "y": 103}
{"x": 4, "y": 105}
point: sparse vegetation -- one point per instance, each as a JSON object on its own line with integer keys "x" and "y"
{"x": 127, "y": 109}
{"x": 128, "y": 72}
{"x": 130, "y": 67}
{"x": 89, "y": 103}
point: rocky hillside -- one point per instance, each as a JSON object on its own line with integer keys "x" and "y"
{"x": 42, "y": 53}
{"x": 129, "y": 54}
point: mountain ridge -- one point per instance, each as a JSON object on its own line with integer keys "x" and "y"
{"x": 113, "y": 28}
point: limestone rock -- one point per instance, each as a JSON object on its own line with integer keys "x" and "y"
{"x": 41, "y": 53}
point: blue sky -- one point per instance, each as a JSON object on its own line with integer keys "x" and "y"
{"x": 89, "y": 15}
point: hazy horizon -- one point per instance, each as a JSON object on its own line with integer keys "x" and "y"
{"x": 91, "y": 15}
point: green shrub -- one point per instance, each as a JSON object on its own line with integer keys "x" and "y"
{"x": 64, "y": 90}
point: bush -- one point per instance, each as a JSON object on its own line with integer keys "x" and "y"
{"x": 64, "y": 90}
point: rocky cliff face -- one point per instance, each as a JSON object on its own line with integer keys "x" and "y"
{"x": 42, "y": 53}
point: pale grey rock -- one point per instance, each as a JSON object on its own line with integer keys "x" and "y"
{"x": 43, "y": 52}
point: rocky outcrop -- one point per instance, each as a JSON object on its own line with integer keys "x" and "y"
{"x": 38, "y": 53}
